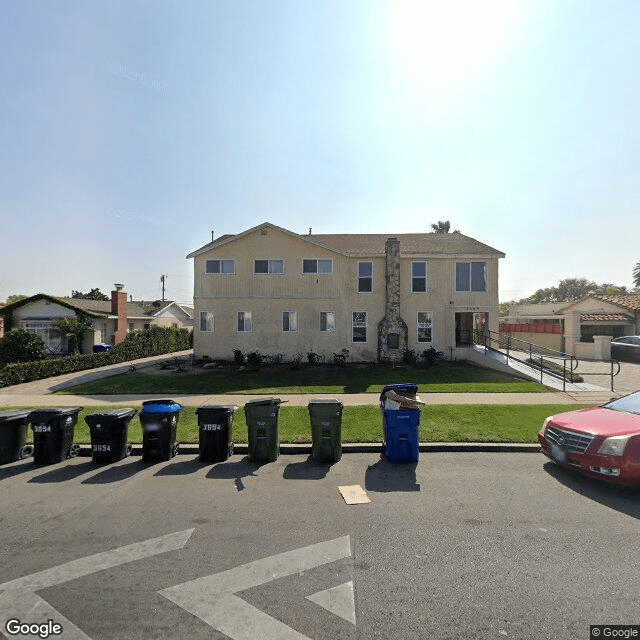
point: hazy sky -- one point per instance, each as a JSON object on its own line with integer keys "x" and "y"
{"x": 130, "y": 130}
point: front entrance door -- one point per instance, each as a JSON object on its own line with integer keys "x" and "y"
{"x": 468, "y": 325}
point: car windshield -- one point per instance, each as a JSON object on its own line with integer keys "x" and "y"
{"x": 630, "y": 403}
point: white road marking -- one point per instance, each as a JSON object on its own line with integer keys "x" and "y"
{"x": 212, "y": 598}
{"x": 18, "y": 599}
{"x": 98, "y": 562}
{"x": 32, "y": 609}
{"x": 338, "y": 600}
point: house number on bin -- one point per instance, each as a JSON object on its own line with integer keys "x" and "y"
{"x": 41, "y": 428}
{"x": 212, "y": 427}
{"x": 101, "y": 447}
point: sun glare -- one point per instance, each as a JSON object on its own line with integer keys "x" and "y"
{"x": 438, "y": 41}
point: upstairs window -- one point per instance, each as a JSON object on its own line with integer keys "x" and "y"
{"x": 317, "y": 266}
{"x": 289, "y": 321}
{"x": 268, "y": 266}
{"x": 365, "y": 277}
{"x": 220, "y": 266}
{"x": 471, "y": 276}
{"x": 418, "y": 277}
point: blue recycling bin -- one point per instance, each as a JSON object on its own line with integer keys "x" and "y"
{"x": 400, "y": 427}
{"x": 159, "y": 420}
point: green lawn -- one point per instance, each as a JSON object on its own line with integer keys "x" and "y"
{"x": 439, "y": 423}
{"x": 448, "y": 377}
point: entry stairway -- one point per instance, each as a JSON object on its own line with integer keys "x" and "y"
{"x": 517, "y": 357}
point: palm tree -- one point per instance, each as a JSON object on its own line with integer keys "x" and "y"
{"x": 441, "y": 227}
{"x": 636, "y": 275}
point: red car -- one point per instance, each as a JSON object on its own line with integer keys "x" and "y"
{"x": 601, "y": 442}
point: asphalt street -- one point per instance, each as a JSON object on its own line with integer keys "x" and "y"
{"x": 460, "y": 545}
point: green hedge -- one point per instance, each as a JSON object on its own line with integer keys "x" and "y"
{"x": 138, "y": 344}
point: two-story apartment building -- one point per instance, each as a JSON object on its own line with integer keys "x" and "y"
{"x": 274, "y": 291}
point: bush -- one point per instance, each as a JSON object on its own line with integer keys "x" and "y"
{"x": 313, "y": 357}
{"x": 137, "y": 344}
{"x": 254, "y": 359}
{"x": 238, "y": 357}
{"x": 409, "y": 356}
{"x": 20, "y": 345}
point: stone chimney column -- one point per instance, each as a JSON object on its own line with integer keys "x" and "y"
{"x": 119, "y": 309}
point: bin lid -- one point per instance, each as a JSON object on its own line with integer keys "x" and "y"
{"x": 126, "y": 412}
{"x": 217, "y": 407}
{"x": 10, "y": 416}
{"x": 325, "y": 401}
{"x": 263, "y": 401}
{"x": 55, "y": 411}
{"x": 160, "y": 406}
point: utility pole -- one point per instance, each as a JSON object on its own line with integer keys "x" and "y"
{"x": 162, "y": 279}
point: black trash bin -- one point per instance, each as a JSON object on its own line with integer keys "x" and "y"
{"x": 261, "y": 417}
{"x": 53, "y": 431}
{"x": 13, "y": 435}
{"x": 216, "y": 431}
{"x": 326, "y": 430}
{"x": 109, "y": 434}
{"x": 401, "y": 425}
{"x": 159, "y": 420}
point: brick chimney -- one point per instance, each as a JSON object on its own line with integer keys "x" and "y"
{"x": 392, "y": 329}
{"x": 119, "y": 309}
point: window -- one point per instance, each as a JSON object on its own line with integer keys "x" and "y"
{"x": 220, "y": 266}
{"x": 268, "y": 266}
{"x": 132, "y": 326}
{"x": 365, "y": 277}
{"x": 471, "y": 276}
{"x": 289, "y": 321}
{"x": 244, "y": 321}
{"x": 418, "y": 277}
{"x": 425, "y": 324}
{"x": 328, "y": 321}
{"x": 359, "y": 326}
{"x": 317, "y": 266}
{"x": 206, "y": 321}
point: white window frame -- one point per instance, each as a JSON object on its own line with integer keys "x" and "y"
{"x": 359, "y": 324}
{"x": 413, "y": 277}
{"x": 317, "y": 261}
{"x": 221, "y": 265}
{"x": 469, "y": 275}
{"x": 292, "y": 327}
{"x": 326, "y": 322}
{"x": 359, "y": 277}
{"x": 247, "y": 322}
{"x": 271, "y": 262}
{"x": 208, "y": 318}
{"x": 424, "y": 325}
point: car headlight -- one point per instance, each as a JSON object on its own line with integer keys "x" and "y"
{"x": 614, "y": 446}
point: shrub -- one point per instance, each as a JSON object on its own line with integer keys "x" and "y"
{"x": 20, "y": 345}
{"x": 313, "y": 357}
{"x": 238, "y": 356}
{"x": 254, "y": 359}
{"x": 409, "y": 356}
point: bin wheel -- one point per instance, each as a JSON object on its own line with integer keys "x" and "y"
{"x": 176, "y": 448}
{"x": 231, "y": 449}
{"x": 74, "y": 450}
{"x": 26, "y": 452}
{"x": 128, "y": 450}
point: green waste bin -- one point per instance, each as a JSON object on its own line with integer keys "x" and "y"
{"x": 53, "y": 431}
{"x": 326, "y": 430}
{"x": 261, "y": 417}
{"x": 13, "y": 435}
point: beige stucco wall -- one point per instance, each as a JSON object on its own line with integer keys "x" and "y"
{"x": 267, "y": 296}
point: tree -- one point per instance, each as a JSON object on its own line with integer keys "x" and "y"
{"x": 443, "y": 226}
{"x": 20, "y": 345}
{"x": 94, "y": 294}
{"x": 636, "y": 275}
{"x": 73, "y": 329}
{"x": 15, "y": 298}
{"x": 571, "y": 289}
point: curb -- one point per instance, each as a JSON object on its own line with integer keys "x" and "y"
{"x": 364, "y": 447}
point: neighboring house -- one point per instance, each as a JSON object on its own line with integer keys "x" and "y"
{"x": 112, "y": 319}
{"x": 273, "y": 291}
{"x": 583, "y": 328}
